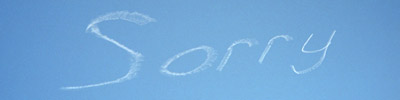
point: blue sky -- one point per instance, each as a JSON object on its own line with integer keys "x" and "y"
{"x": 45, "y": 46}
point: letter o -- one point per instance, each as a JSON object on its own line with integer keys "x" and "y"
{"x": 211, "y": 56}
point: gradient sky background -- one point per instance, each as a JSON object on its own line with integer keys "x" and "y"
{"x": 44, "y": 46}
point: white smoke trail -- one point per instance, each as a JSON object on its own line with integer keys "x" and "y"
{"x": 211, "y": 56}
{"x": 316, "y": 65}
{"x": 229, "y": 51}
{"x": 120, "y": 15}
{"x": 270, "y": 42}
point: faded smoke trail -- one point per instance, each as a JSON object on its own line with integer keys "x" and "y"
{"x": 137, "y": 57}
{"x": 316, "y": 65}
{"x": 229, "y": 51}
{"x": 211, "y": 56}
{"x": 270, "y": 42}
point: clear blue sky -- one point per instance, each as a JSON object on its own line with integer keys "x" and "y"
{"x": 45, "y": 46}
